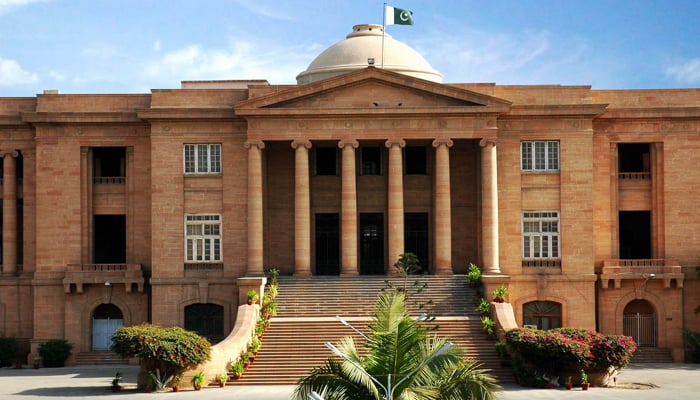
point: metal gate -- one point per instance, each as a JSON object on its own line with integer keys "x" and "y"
{"x": 642, "y": 328}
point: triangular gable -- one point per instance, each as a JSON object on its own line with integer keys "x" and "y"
{"x": 372, "y": 88}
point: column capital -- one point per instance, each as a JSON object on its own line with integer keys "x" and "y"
{"x": 488, "y": 142}
{"x": 301, "y": 142}
{"x": 440, "y": 142}
{"x": 391, "y": 142}
{"x": 11, "y": 153}
{"x": 348, "y": 142}
{"x": 257, "y": 143}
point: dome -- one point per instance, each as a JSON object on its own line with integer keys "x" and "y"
{"x": 362, "y": 44}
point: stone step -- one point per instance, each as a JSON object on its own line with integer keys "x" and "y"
{"x": 651, "y": 355}
{"x": 99, "y": 358}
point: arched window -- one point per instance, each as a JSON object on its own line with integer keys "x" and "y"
{"x": 206, "y": 320}
{"x": 543, "y": 314}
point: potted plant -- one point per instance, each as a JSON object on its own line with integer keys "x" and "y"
{"x": 237, "y": 369}
{"x": 484, "y": 308}
{"x": 499, "y": 294}
{"x": 567, "y": 383}
{"x": 198, "y": 380}
{"x": 116, "y": 382}
{"x": 149, "y": 383}
{"x": 223, "y": 378}
{"x": 255, "y": 345}
{"x": 584, "y": 380}
{"x": 488, "y": 326}
{"x": 177, "y": 380}
{"x": 36, "y": 363}
{"x": 252, "y": 296}
{"x": 473, "y": 275}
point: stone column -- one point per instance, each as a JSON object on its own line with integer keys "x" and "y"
{"x": 9, "y": 213}
{"x": 302, "y": 209}
{"x": 348, "y": 222}
{"x": 443, "y": 208}
{"x": 489, "y": 206}
{"x": 255, "y": 208}
{"x": 396, "y": 211}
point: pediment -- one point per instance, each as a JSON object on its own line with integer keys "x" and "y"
{"x": 372, "y": 90}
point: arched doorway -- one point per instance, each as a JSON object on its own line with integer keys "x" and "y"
{"x": 207, "y": 319}
{"x": 639, "y": 321}
{"x": 106, "y": 319}
{"x": 543, "y": 314}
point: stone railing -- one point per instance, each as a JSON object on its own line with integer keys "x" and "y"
{"x": 654, "y": 268}
{"x": 109, "y": 180}
{"x": 634, "y": 176}
{"x": 79, "y": 275}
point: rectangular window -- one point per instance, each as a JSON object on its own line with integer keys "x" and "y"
{"x": 202, "y": 158}
{"x": 539, "y": 156}
{"x": 326, "y": 161}
{"x": 415, "y": 160}
{"x": 371, "y": 160}
{"x": 540, "y": 235}
{"x": 203, "y": 238}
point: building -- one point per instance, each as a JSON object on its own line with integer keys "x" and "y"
{"x": 125, "y": 208}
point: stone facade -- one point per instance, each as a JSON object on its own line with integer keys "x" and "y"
{"x": 340, "y": 176}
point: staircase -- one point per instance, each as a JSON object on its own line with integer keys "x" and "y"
{"x": 651, "y": 355}
{"x": 294, "y": 343}
{"x": 99, "y": 358}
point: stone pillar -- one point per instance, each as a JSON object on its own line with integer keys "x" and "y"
{"x": 396, "y": 211}
{"x": 9, "y": 213}
{"x": 443, "y": 208}
{"x": 302, "y": 209}
{"x": 255, "y": 208}
{"x": 348, "y": 224}
{"x": 489, "y": 206}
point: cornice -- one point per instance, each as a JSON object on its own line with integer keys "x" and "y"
{"x": 178, "y": 113}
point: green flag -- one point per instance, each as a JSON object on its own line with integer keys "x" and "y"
{"x": 397, "y": 16}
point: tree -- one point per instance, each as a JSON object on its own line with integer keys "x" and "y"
{"x": 165, "y": 352}
{"x": 398, "y": 350}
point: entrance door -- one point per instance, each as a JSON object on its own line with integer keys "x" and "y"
{"x": 106, "y": 319}
{"x": 416, "y": 238}
{"x": 639, "y": 322}
{"x": 327, "y": 244}
{"x": 372, "y": 244}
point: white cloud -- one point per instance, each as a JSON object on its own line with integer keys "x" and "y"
{"x": 688, "y": 72}
{"x": 273, "y": 10}
{"x": 156, "y": 45}
{"x": 243, "y": 59}
{"x": 8, "y": 5}
{"x": 12, "y": 74}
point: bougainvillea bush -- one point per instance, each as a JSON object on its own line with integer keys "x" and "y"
{"x": 551, "y": 352}
{"x": 166, "y": 350}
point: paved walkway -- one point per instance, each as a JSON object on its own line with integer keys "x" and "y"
{"x": 651, "y": 381}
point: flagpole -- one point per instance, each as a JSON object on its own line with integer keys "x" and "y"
{"x": 383, "y": 31}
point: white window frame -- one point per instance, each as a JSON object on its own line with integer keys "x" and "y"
{"x": 539, "y": 155}
{"x": 203, "y": 158}
{"x": 203, "y": 238}
{"x": 541, "y": 235}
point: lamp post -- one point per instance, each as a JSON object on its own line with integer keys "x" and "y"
{"x": 389, "y": 388}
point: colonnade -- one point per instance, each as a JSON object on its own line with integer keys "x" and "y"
{"x": 395, "y": 212}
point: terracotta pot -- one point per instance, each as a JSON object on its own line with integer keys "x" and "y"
{"x": 197, "y": 387}
{"x": 584, "y": 386}
{"x": 176, "y": 388}
{"x": 568, "y": 386}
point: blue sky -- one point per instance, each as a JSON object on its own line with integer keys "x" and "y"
{"x": 129, "y": 46}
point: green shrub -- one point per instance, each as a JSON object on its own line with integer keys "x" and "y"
{"x": 55, "y": 352}
{"x": 692, "y": 344}
{"x": 168, "y": 350}
{"x": 8, "y": 351}
{"x": 473, "y": 275}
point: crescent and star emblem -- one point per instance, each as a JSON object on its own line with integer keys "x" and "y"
{"x": 405, "y": 16}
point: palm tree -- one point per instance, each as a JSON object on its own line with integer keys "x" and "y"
{"x": 400, "y": 358}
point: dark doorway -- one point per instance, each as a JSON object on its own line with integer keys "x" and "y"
{"x": 110, "y": 239}
{"x": 633, "y": 157}
{"x": 372, "y": 244}
{"x": 635, "y": 234}
{"x": 109, "y": 161}
{"x": 206, "y": 320}
{"x": 416, "y": 238}
{"x": 327, "y": 244}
